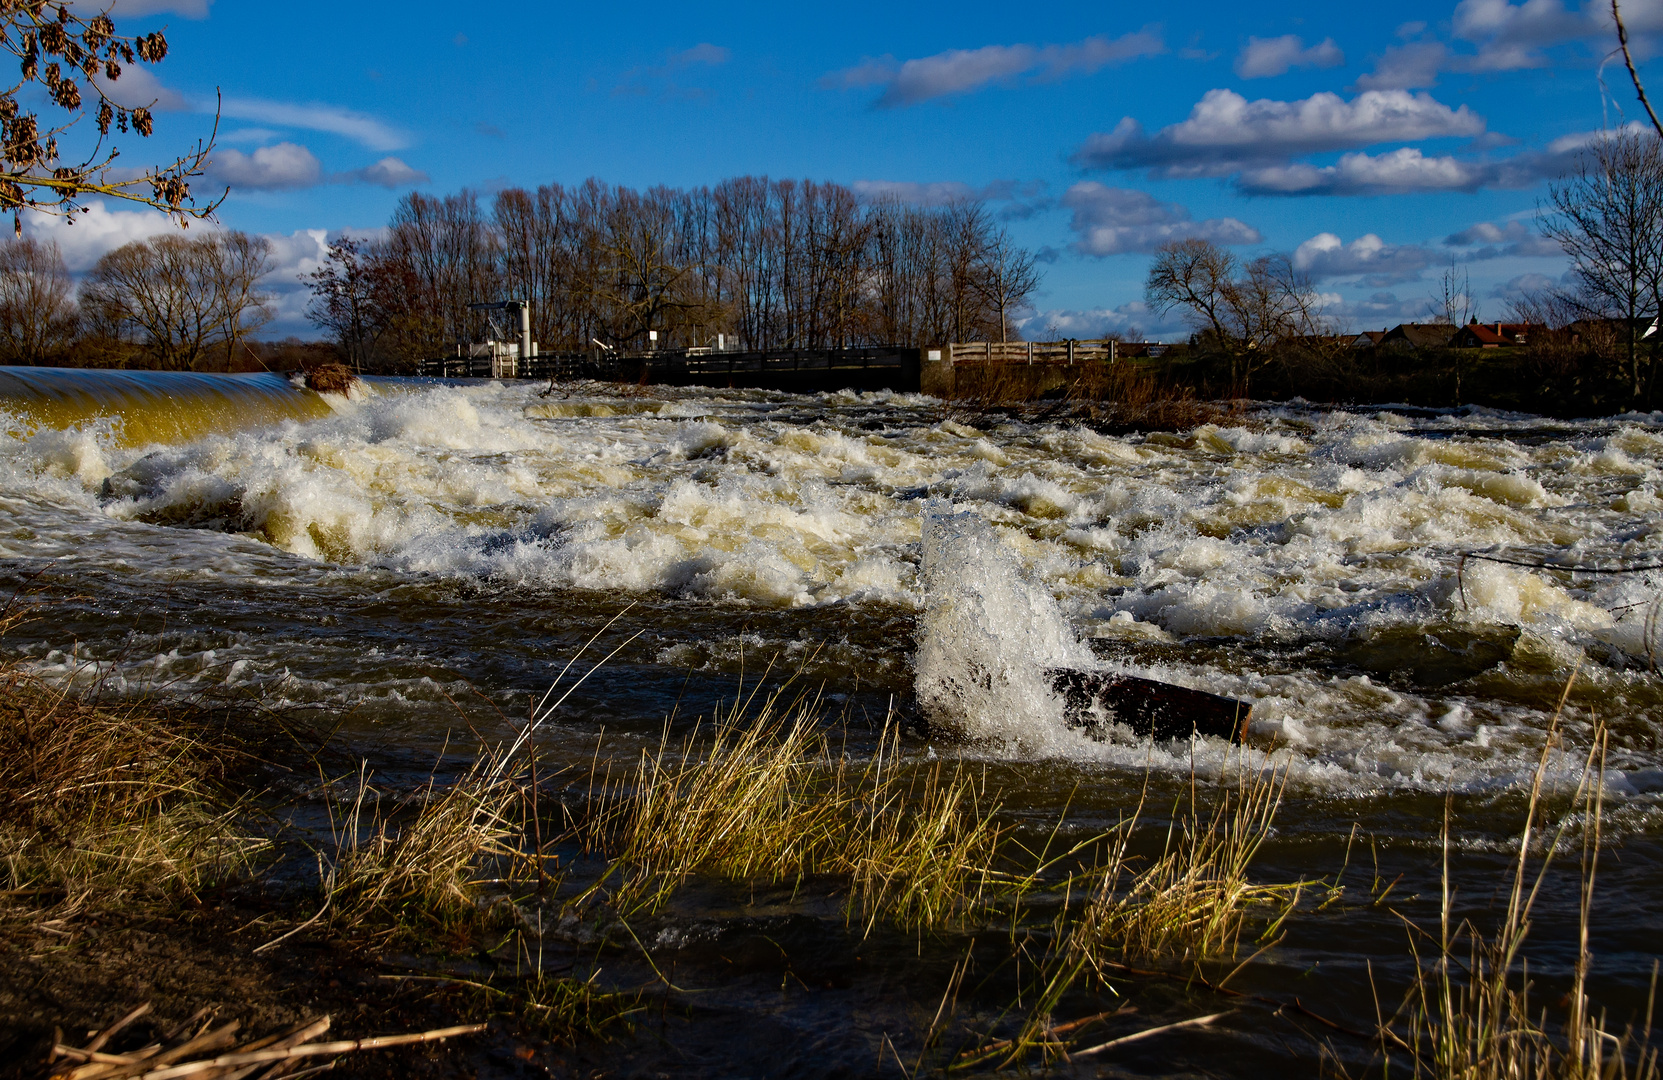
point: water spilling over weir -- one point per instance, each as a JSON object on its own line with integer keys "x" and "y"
{"x": 402, "y": 556}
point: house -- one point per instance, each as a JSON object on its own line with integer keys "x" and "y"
{"x": 1368, "y": 339}
{"x": 1410, "y": 337}
{"x": 1477, "y": 335}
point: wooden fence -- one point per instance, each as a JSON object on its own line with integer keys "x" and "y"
{"x": 1027, "y": 352}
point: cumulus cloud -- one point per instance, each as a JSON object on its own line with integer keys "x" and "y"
{"x": 960, "y": 71}
{"x": 359, "y": 127}
{"x": 1261, "y": 58}
{"x": 1491, "y": 241}
{"x": 1111, "y": 221}
{"x": 1498, "y": 35}
{"x": 1413, "y": 66}
{"x": 281, "y": 167}
{"x": 96, "y": 231}
{"x": 287, "y": 166}
{"x": 1225, "y": 131}
{"x": 1509, "y": 36}
{"x": 1368, "y": 257}
{"x": 389, "y": 172}
{"x": 1397, "y": 172}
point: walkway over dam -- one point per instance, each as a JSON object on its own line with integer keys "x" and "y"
{"x": 872, "y": 367}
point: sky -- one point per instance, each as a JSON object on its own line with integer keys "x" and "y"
{"x": 1376, "y": 144}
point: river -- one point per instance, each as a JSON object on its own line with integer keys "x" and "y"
{"x": 425, "y": 552}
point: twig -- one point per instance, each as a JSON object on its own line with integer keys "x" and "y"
{"x": 1199, "y": 1021}
{"x": 1634, "y": 76}
{"x": 346, "y": 1046}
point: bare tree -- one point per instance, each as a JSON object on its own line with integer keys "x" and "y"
{"x": 1608, "y": 216}
{"x": 1008, "y": 276}
{"x": 181, "y": 298}
{"x": 1451, "y": 302}
{"x": 38, "y": 318}
{"x": 1246, "y": 312}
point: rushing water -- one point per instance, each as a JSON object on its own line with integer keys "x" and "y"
{"x": 430, "y": 550}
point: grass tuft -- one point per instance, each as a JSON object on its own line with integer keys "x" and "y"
{"x": 765, "y": 797}
{"x": 101, "y": 803}
{"x": 396, "y": 878}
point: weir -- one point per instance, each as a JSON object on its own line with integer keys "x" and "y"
{"x": 151, "y": 406}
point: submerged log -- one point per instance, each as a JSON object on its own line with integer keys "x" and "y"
{"x": 1094, "y": 700}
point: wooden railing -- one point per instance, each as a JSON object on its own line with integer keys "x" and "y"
{"x": 1028, "y": 352}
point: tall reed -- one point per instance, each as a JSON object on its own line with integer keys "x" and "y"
{"x": 1469, "y": 1013}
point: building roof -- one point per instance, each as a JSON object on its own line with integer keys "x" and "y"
{"x": 1420, "y": 335}
{"x": 1494, "y": 335}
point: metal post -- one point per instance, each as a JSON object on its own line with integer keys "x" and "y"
{"x": 525, "y": 336}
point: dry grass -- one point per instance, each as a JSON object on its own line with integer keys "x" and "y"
{"x": 393, "y": 876}
{"x": 100, "y": 803}
{"x": 766, "y": 797}
{"x": 1191, "y": 903}
{"x": 1469, "y": 1013}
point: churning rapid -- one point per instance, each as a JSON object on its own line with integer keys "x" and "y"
{"x": 424, "y": 542}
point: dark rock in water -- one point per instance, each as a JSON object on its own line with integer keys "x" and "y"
{"x": 330, "y": 378}
{"x": 1096, "y": 699}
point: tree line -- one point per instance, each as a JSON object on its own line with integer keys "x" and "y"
{"x": 172, "y": 302}
{"x": 764, "y": 263}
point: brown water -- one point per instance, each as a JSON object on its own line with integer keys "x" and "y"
{"x": 402, "y": 557}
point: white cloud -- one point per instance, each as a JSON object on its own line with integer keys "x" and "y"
{"x": 1491, "y": 241}
{"x": 389, "y": 172}
{"x": 97, "y": 231}
{"x": 1523, "y": 286}
{"x": 1407, "y": 67}
{"x": 249, "y": 135}
{"x": 139, "y": 88}
{"x": 960, "y": 71}
{"x": 357, "y": 126}
{"x": 1325, "y": 255}
{"x": 1380, "y": 310}
{"x": 1397, "y": 172}
{"x": 1510, "y": 37}
{"x": 1111, "y": 220}
{"x": 1129, "y": 322}
{"x": 270, "y": 168}
{"x": 1508, "y": 34}
{"x": 1262, "y": 58}
{"x": 1224, "y": 131}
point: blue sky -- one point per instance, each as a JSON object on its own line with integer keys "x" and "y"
{"x": 1373, "y": 142}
